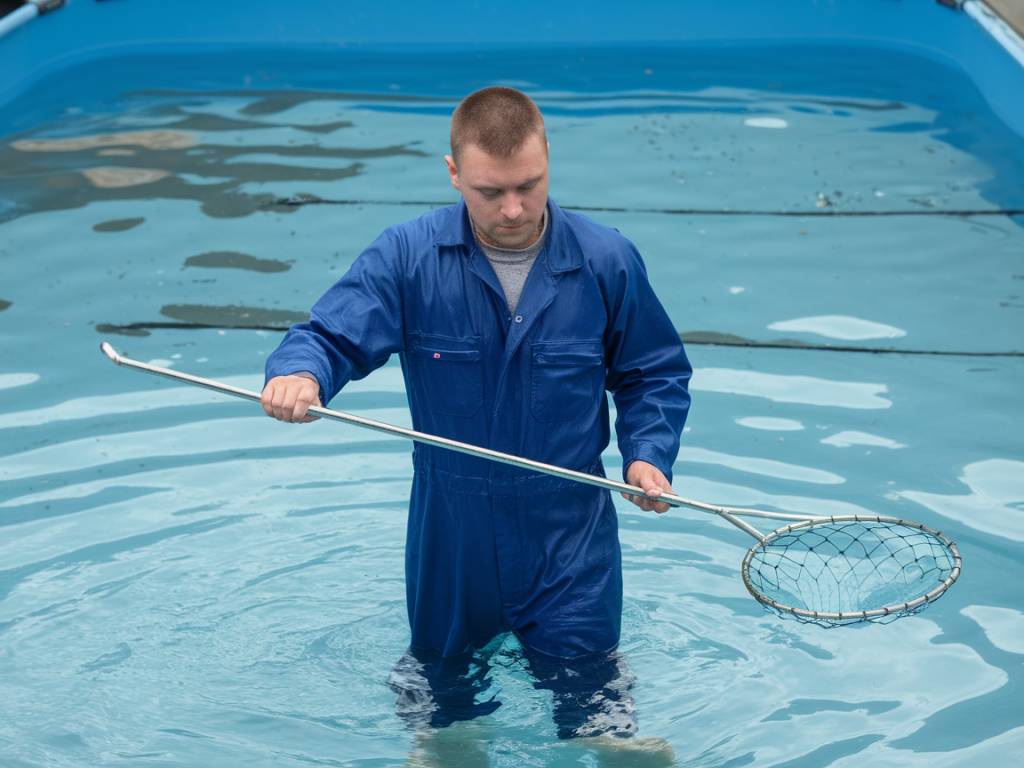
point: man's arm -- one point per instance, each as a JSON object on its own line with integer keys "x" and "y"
{"x": 352, "y": 330}
{"x": 648, "y": 375}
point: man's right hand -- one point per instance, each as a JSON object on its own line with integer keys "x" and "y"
{"x": 288, "y": 398}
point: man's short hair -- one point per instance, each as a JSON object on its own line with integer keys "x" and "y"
{"x": 498, "y": 120}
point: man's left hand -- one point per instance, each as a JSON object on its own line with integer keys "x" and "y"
{"x": 653, "y": 482}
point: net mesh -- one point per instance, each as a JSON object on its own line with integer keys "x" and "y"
{"x": 851, "y": 570}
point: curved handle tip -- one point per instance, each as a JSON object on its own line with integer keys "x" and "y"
{"x": 110, "y": 352}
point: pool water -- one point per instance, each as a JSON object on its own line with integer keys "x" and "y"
{"x": 185, "y": 582}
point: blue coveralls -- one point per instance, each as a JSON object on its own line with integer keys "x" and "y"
{"x": 492, "y": 548}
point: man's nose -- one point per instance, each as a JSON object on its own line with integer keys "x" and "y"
{"x": 511, "y": 207}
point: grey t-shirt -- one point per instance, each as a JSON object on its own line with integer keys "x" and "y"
{"x": 513, "y": 266}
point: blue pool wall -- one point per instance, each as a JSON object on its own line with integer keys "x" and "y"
{"x": 85, "y": 31}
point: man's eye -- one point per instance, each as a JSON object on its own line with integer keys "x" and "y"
{"x": 490, "y": 194}
{"x": 528, "y": 187}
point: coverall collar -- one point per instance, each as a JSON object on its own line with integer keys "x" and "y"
{"x": 563, "y": 252}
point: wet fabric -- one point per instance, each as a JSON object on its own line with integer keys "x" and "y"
{"x": 591, "y": 695}
{"x": 434, "y": 691}
{"x": 491, "y": 547}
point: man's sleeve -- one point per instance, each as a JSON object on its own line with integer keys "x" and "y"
{"x": 353, "y": 328}
{"x": 648, "y": 372}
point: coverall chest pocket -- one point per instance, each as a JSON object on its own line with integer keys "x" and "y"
{"x": 448, "y": 374}
{"x": 567, "y": 379}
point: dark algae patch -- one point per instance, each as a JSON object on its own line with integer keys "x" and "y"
{"x": 131, "y": 329}
{"x": 236, "y": 260}
{"x": 185, "y": 158}
{"x": 4, "y": 305}
{"x": 714, "y": 338}
{"x": 197, "y": 316}
{"x": 232, "y": 316}
{"x": 117, "y": 225}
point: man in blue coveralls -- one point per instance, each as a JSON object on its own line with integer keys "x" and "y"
{"x": 511, "y": 317}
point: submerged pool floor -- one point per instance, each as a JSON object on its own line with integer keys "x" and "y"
{"x": 183, "y": 581}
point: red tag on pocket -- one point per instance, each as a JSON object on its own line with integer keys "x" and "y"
{"x": 437, "y": 355}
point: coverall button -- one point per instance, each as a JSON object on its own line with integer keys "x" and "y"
{"x": 519, "y": 318}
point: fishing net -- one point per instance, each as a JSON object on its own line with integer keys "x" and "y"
{"x": 850, "y": 569}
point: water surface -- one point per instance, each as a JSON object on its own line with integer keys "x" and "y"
{"x": 183, "y": 581}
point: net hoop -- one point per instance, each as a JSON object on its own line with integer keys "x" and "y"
{"x": 831, "y": 618}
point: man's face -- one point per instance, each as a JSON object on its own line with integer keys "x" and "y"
{"x": 506, "y": 197}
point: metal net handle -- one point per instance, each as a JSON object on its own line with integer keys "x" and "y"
{"x": 728, "y": 513}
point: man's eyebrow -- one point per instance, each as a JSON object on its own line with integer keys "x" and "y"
{"x": 527, "y": 183}
{"x": 534, "y": 180}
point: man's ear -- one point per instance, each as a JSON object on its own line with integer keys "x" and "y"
{"x": 453, "y": 172}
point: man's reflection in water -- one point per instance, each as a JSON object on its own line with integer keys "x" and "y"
{"x": 592, "y": 705}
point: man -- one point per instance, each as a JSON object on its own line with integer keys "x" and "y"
{"x": 511, "y": 318}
